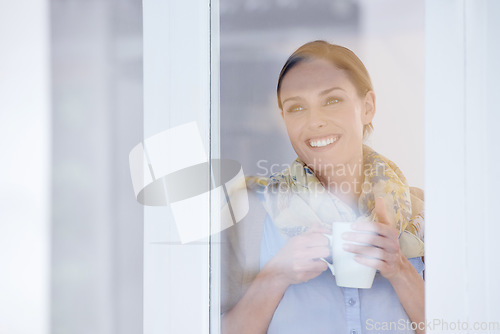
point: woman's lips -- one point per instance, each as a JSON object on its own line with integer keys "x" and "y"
{"x": 322, "y": 142}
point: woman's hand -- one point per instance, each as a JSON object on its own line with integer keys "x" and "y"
{"x": 384, "y": 253}
{"x": 296, "y": 262}
{"x": 390, "y": 261}
{"x": 299, "y": 260}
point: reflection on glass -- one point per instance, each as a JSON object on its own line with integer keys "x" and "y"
{"x": 276, "y": 262}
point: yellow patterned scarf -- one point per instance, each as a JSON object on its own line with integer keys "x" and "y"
{"x": 295, "y": 199}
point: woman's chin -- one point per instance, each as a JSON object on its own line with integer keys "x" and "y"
{"x": 324, "y": 160}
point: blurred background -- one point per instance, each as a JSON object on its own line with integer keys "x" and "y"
{"x": 71, "y": 109}
{"x": 96, "y": 115}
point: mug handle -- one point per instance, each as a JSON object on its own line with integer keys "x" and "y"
{"x": 322, "y": 259}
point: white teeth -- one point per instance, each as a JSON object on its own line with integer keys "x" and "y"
{"x": 323, "y": 142}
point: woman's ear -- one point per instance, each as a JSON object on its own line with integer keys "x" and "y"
{"x": 282, "y": 116}
{"x": 369, "y": 110}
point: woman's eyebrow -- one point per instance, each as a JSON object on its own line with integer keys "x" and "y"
{"x": 326, "y": 91}
{"x": 290, "y": 98}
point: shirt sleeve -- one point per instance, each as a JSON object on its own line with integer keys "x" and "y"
{"x": 418, "y": 264}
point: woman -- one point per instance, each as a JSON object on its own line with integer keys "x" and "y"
{"x": 327, "y": 103}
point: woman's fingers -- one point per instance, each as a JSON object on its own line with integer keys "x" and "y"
{"x": 369, "y": 251}
{"x": 381, "y": 247}
{"x": 307, "y": 265}
{"x": 381, "y": 211}
{"x": 379, "y": 228}
{"x": 377, "y": 240}
{"x": 300, "y": 260}
{"x": 378, "y": 264}
{"x": 316, "y": 252}
{"x": 309, "y": 247}
{"x": 311, "y": 265}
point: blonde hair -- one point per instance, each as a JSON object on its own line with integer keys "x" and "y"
{"x": 341, "y": 57}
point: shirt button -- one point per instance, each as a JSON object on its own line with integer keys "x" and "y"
{"x": 351, "y": 302}
{"x": 353, "y": 331}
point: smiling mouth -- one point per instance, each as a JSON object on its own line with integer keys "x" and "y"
{"x": 323, "y": 142}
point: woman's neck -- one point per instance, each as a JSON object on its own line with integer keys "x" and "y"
{"x": 344, "y": 181}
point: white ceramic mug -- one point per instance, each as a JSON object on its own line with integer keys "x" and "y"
{"x": 348, "y": 273}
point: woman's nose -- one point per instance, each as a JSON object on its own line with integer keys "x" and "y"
{"x": 317, "y": 119}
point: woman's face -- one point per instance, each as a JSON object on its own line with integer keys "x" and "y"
{"x": 324, "y": 115}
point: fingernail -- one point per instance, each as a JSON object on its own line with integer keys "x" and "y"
{"x": 344, "y": 236}
{"x": 354, "y": 226}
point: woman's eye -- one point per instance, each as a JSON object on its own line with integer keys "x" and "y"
{"x": 332, "y": 101}
{"x": 295, "y": 108}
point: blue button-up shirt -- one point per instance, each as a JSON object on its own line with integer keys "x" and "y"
{"x": 319, "y": 306}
